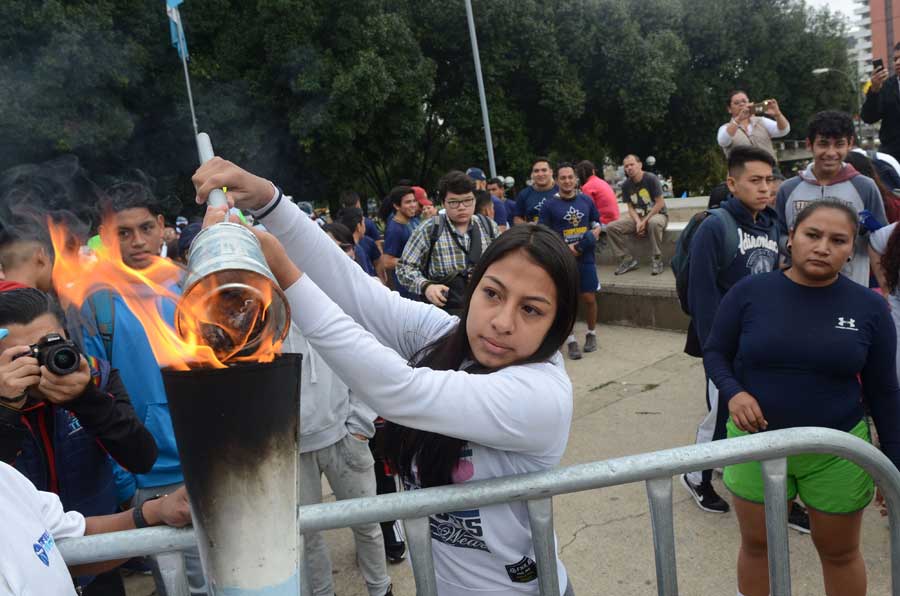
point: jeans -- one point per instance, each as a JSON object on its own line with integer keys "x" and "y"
{"x": 169, "y": 568}
{"x": 349, "y": 467}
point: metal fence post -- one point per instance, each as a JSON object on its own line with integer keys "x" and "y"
{"x": 659, "y": 493}
{"x": 540, "y": 514}
{"x": 774, "y": 472}
{"x": 418, "y": 540}
{"x": 172, "y": 574}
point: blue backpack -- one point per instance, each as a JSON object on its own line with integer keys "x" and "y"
{"x": 104, "y": 314}
{"x": 681, "y": 262}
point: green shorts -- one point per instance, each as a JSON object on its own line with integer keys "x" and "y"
{"x": 826, "y": 483}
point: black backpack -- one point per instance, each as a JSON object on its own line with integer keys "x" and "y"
{"x": 681, "y": 262}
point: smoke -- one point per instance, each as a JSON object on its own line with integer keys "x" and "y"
{"x": 59, "y": 190}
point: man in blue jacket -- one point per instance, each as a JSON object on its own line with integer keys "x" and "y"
{"x": 113, "y": 333}
{"x": 728, "y": 246}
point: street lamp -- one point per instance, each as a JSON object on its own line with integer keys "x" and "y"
{"x": 817, "y": 72}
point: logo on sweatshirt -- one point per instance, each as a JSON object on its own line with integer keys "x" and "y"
{"x": 846, "y": 324}
{"x": 43, "y": 547}
{"x": 461, "y": 529}
{"x": 749, "y": 242}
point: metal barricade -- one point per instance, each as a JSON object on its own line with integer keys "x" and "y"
{"x": 656, "y": 469}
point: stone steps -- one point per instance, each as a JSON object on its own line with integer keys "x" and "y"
{"x": 640, "y": 299}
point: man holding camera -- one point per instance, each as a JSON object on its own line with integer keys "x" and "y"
{"x": 60, "y": 416}
{"x": 883, "y": 103}
{"x": 442, "y": 251}
{"x": 753, "y": 124}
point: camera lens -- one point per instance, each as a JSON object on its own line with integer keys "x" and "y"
{"x": 63, "y": 361}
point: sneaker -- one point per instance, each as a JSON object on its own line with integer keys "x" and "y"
{"x": 574, "y": 351}
{"x": 626, "y": 265}
{"x": 657, "y": 266}
{"x": 394, "y": 546}
{"x": 590, "y": 343}
{"x": 706, "y": 496}
{"x": 390, "y": 591}
{"x": 798, "y": 518}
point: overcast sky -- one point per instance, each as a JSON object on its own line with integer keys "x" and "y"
{"x": 844, "y": 6}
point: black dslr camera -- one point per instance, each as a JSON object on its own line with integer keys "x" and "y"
{"x": 59, "y": 355}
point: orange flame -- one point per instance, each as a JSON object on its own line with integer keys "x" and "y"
{"x": 218, "y": 327}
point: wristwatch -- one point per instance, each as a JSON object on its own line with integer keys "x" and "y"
{"x": 137, "y": 514}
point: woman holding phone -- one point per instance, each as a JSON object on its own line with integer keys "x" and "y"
{"x": 484, "y": 394}
{"x": 799, "y": 348}
{"x": 747, "y": 127}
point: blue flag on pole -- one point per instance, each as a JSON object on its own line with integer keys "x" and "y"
{"x": 176, "y": 29}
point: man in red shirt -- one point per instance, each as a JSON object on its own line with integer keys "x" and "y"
{"x": 601, "y": 193}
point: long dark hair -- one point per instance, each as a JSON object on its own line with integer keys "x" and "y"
{"x": 864, "y": 166}
{"x": 890, "y": 260}
{"x": 435, "y": 456}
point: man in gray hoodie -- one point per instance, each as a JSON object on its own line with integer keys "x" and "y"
{"x": 334, "y": 440}
{"x": 830, "y": 138}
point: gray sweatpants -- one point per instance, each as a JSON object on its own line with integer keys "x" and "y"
{"x": 350, "y": 469}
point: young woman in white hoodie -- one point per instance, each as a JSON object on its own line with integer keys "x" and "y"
{"x": 480, "y": 396}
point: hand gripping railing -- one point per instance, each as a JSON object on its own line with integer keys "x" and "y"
{"x": 657, "y": 469}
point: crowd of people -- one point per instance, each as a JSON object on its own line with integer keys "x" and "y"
{"x": 432, "y": 341}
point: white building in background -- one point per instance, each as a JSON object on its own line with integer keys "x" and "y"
{"x": 860, "y": 43}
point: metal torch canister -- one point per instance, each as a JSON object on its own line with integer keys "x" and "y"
{"x": 228, "y": 279}
{"x": 229, "y": 284}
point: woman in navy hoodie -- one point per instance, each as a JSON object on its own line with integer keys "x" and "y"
{"x": 798, "y": 348}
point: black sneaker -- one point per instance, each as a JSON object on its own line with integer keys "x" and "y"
{"x": 394, "y": 546}
{"x": 798, "y": 518}
{"x": 390, "y": 591}
{"x": 590, "y": 343}
{"x": 706, "y": 496}
{"x": 574, "y": 351}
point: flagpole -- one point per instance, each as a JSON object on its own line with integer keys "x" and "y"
{"x": 182, "y": 52}
{"x": 486, "y": 120}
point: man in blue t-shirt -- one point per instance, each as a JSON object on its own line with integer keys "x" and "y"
{"x": 367, "y": 254}
{"x": 499, "y": 213}
{"x": 503, "y": 209}
{"x": 531, "y": 198}
{"x": 398, "y": 210}
{"x": 113, "y": 333}
{"x": 575, "y": 216}
{"x": 350, "y": 200}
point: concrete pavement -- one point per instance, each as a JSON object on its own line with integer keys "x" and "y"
{"x": 638, "y": 393}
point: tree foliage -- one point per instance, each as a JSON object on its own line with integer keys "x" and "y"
{"x": 330, "y": 94}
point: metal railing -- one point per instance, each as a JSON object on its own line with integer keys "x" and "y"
{"x": 657, "y": 469}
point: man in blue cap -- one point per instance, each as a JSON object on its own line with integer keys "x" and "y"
{"x": 481, "y": 183}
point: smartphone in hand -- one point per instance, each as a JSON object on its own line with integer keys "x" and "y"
{"x": 877, "y": 64}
